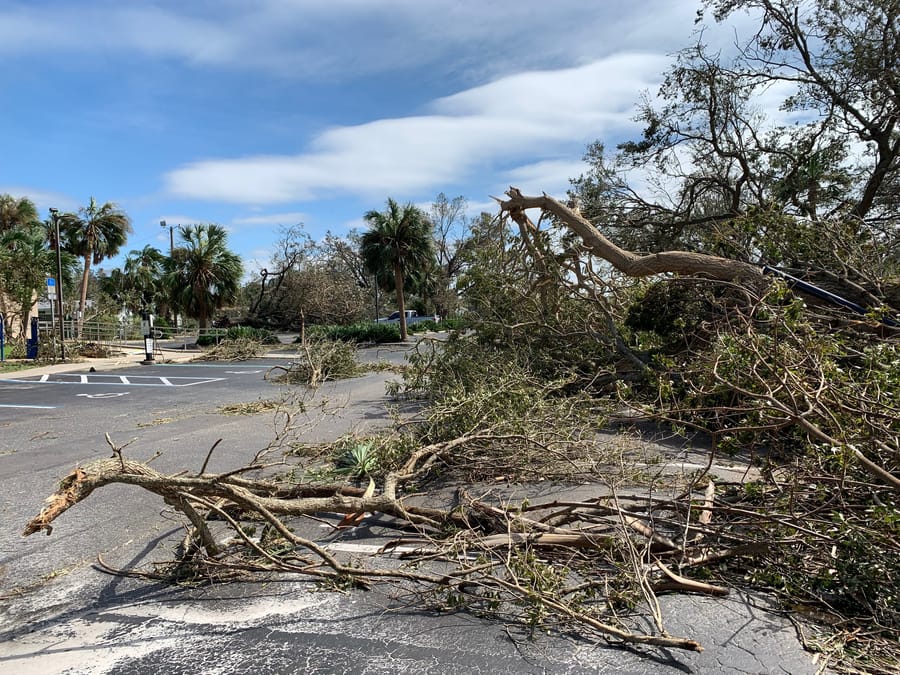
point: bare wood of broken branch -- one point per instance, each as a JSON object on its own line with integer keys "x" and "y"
{"x": 632, "y": 264}
{"x": 680, "y": 583}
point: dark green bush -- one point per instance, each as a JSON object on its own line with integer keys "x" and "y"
{"x": 162, "y": 328}
{"x": 424, "y": 326}
{"x": 453, "y": 324}
{"x": 358, "y": 332}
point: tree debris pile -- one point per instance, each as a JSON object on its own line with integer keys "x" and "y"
{"x": 583, "y": 564}
{"x": 319, "y": 361}
{"x": 237, "y": 349}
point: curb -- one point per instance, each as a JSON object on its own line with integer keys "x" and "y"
{"x": 123, "y": 360}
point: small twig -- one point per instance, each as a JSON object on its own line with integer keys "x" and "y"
{"x": 208, "y": 456}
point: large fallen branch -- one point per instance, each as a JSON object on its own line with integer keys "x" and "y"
{"x": 627, "y": 262}
{"x": 213, "y": 501}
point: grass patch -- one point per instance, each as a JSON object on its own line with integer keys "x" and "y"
{"x": 13, "y": 366}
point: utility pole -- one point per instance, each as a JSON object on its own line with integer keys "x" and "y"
{"x": 54, "y": 216}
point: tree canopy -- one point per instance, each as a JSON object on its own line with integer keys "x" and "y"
{"x": 95, "y": 233}
{"x": 203, "y": 274}
{"x": 398, "y": 243}
{"x": 810, "y": 188}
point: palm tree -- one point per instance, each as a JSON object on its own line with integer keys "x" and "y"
{"x": 16, "y": 213}
{"x": 144, "y": 271}
{"x": 203, "y": 274}
{"x": 97, "y": 232}
{"x": 398, "y": 244}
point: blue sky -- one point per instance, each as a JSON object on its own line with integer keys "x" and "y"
{"x": 255, "y": 114}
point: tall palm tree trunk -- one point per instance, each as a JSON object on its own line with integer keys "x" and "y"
{"x": 401, "y": 301}
{"x": 84, "y": 289}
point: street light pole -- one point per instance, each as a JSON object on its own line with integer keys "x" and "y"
{"x": 54, "y": 216}
{"x": 163, "y": 225}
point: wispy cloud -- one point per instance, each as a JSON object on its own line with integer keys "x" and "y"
{"x": 526, "y": 117}
{"x": 551, "y": 176}
{"x": 43, "y": 199}
{"x": 297, "y": 38}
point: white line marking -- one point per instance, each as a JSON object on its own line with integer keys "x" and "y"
{"x": 37, "y": 407}
{"x": 124, "y": 379}
{"x": 44, "y": 377}
{"x": 83, "y": 379}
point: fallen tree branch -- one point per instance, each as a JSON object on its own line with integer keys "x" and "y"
{"x": 632, "y": 264}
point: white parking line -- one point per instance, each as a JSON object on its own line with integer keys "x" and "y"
{"x": 36, "y": 407}
{"x": 117, "y": 380}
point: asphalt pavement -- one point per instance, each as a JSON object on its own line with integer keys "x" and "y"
{"x": 60, "y": 614}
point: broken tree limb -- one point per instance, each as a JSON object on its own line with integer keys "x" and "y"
{"x": 627, "y": 262}
{"x": 676, "y": 582}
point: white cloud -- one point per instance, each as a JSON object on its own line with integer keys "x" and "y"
{"x": 550, "y": 176}
{"x": 528, "y": 116}
{"x": 298, "y": 39}
{"x": 256, "y": 260}
{"x": 42, "y": 199}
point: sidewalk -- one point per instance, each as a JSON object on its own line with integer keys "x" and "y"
{"x": 124, "y": 357}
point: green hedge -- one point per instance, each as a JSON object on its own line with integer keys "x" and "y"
{"x": 423, "y": 326}
{"x": 453, "y": 324}
{"x": 358, "y": 332}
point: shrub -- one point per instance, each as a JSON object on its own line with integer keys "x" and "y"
{"x": 358, "y": 332}
{"x": 453, "y": 324}
{"x": 424, "y": 326}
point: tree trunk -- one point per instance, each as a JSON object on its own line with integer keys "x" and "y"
{"x": 632, "y": 264}
{"x": 84, "y": 288}
{"x": 401, "y": 301}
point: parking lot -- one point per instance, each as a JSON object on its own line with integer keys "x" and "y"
{"x": 168, "y": 383}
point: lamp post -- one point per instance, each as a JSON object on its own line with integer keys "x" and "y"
{"x": 163, "y": 225}
{"x": 54, "y": 216}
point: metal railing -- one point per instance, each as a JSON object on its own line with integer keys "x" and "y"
{"x": 111, "y": 333}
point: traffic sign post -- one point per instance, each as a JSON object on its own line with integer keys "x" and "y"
{"x": 51, "y": 289}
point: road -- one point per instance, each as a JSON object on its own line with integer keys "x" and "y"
{"x": 61, "y": 615}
